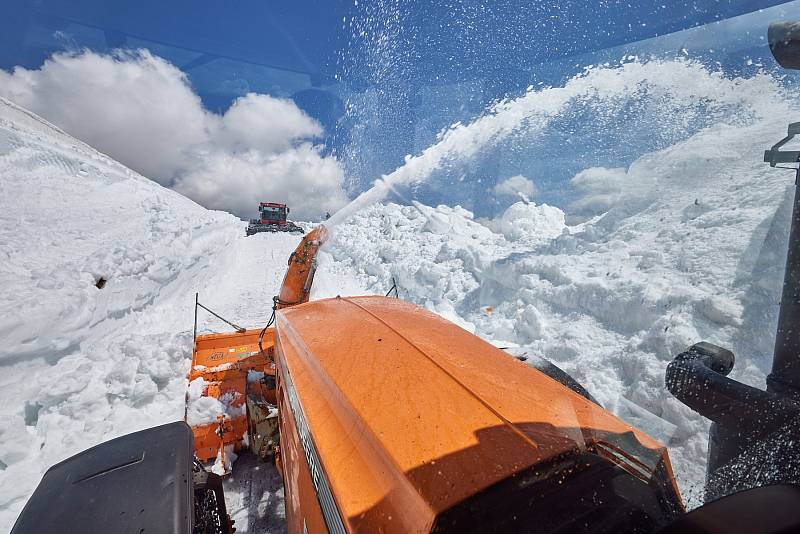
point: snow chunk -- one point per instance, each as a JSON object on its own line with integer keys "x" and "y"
{"x": 221, "y": 467}
{"x": 202, "y": 409}
{"x": 254, "y": 376}
{"x": 531, "y": 222}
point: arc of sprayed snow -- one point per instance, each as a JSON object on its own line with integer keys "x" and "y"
{"x": 684, "y": 79}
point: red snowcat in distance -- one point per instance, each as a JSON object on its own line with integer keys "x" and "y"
{"x": 272, "y": 219}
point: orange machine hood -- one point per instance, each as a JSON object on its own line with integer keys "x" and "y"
{"x": 411, "y": 415}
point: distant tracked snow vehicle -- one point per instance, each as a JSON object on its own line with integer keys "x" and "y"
{"x": 272, "y": 219}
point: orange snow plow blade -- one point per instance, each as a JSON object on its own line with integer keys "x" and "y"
{"x": 223, "y": 362}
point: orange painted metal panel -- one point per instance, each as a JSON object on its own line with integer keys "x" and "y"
{"x": 207, "y": 439}
{"x": 296, "y": 285}
{"x": 303, "y": 512}
{"x": 231, "y": 350}
{"x": 391, "y": 391}
{"x": 223, "y": 361}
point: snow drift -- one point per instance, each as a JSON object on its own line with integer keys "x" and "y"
{"x": 73, "y": 373}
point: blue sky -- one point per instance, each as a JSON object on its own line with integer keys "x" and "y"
{"x": 383, "y": 77}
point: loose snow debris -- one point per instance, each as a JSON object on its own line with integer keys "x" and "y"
{"x": 254, "y": 376}
{"x": 202, "y": 409}
{"x": 221, "y": 467}
{"x": 530, "y": 222}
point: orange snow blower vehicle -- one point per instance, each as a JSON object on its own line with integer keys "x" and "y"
{"x": 390, "y": 418}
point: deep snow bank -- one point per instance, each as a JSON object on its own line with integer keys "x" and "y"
{"x": 82, "y": 364}
{"x": 69, "y": 216}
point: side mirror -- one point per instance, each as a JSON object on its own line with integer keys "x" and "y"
{"x": 784, "y": 42}
{"x": 287, "y": 209}
{"x": 774, "y": 155}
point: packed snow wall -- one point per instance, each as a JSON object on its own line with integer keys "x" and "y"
{"x": 87, "y": 248}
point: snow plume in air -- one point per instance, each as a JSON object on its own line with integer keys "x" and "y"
{"x": 141, "y": 110}
{"x": 673, "y": 98}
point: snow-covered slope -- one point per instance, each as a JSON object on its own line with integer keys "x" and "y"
{"x": 71, "y": 216}
{"x": 694, "y": 250}
{"x": 81, "y": 364}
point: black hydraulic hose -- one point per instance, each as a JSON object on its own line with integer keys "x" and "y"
{"x": 269, "y": 323}
{"x": 393, "y": 288}
{"x": 698, "y": 378}
{"x": 264, "y": 331}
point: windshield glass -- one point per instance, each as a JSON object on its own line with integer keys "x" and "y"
{"x": 582, "y": 185}
{"x": 271, "y": 213}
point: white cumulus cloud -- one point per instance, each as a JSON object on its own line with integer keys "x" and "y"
{"x": 266, "y": 124}
{"x": 141, "y": 110}
{"x": 516, "y": 186}
{"x": 598, "y": 189}
{"x": 300, "y": 177}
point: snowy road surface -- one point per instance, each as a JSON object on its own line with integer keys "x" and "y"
{"x": 243, "y": 293}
